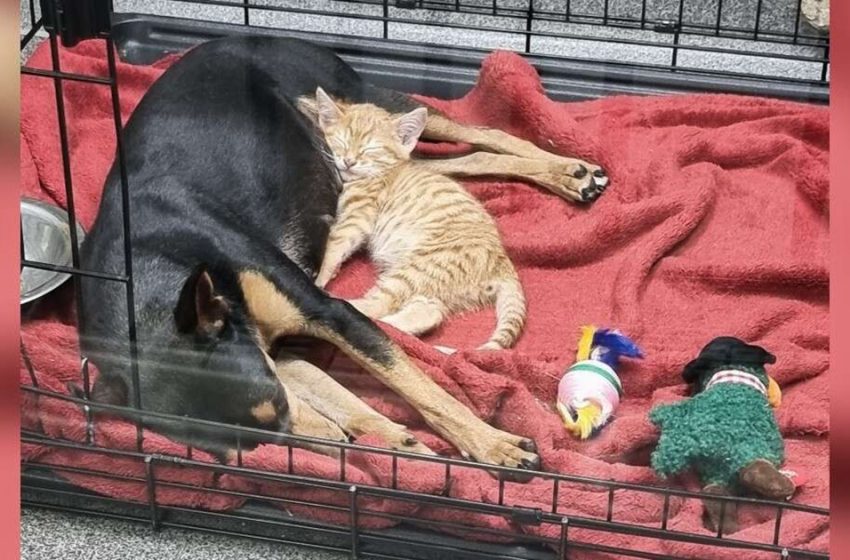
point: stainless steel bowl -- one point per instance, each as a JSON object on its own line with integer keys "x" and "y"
{"x": 47, "y": 239}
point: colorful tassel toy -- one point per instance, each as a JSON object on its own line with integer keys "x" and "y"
{"x": 590, "y": 390}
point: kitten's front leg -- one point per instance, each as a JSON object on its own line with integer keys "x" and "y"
{"x": 346, "y": 237}
{"x": 330, "y": 265}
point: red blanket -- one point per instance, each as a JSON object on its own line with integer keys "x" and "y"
{"x": 715, "y": 224}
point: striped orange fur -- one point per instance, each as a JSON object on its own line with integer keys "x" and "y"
{"x": 436, "y": 247}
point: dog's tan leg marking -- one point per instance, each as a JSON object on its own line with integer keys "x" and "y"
{"x": 308, "y": 422}
{"x": 271, "y": 310}
{"x": 536, "y": 171}
{"x": 304, "y": 419}
{"x": 276, "y": 316}
{"x": 341, "y": 407}
{"x": 448, "y": 417}
{"x": 588, "y": 179}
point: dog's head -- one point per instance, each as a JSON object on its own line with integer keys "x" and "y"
{"x": 725, "y": 351}
{"x": 209, "y": 364}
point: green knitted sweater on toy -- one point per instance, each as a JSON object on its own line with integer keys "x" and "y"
{"x": 717, "y": 432}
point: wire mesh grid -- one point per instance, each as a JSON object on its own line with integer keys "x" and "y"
{"x": 534, "y": 532}
{"x": 768, "y": 39}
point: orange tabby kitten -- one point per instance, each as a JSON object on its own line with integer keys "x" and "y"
{"x": 436, "y": 247}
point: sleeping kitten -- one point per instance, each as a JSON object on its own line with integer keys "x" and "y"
{"x": 436, "y": 247}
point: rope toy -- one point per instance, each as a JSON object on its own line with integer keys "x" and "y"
{"x": 590, "y": 390}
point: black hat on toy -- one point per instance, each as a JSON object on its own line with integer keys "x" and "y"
{"x": 723, "y": 351}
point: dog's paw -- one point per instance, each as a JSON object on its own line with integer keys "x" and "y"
{"x": 579, "y": 182}
{"x": 407, "y": 442}
{"x": 587, "y": 181}
{"x": 595, "y": 186}
{"x": 396, "y": 436}
{"x": 505, "y": 450}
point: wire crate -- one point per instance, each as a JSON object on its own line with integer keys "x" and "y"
{"x": 582, "y": 49}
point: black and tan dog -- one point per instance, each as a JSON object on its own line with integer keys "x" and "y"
{"x": 231, "y": 195}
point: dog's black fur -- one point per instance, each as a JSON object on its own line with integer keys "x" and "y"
{"x": 224, "y": 172}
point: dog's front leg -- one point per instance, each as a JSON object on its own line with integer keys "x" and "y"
{"x": 586, "y": 179}
{"x": 366, "y": 344}
{"x": 536, "y": 171}
{"x": 340, "y": 406}
{"x": 309, "y": 422}
{"x": 291, "y": 305}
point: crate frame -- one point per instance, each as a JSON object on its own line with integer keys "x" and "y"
{"x": 452, "y": 69}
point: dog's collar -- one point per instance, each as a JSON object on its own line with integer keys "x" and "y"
{"x": 736, "y": 376}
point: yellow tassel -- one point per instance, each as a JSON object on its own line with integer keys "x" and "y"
{"x": 774, "y": 393}
{"x": 585, "y": 343}
{"x": 586, "y": 416}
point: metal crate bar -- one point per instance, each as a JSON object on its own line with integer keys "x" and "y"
{"x": 512, "y": 11}
{"x": 290, "y": 439}
{"x": 374, "y": 491}
{"x": 529, "y": 16}
{"x": 667, "y": 33}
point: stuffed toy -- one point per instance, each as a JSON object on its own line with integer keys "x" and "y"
{"x": 727, "y": 431}
{"x": 590, "y": 390}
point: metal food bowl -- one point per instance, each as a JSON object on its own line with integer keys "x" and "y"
{"x": 47, "y": 240}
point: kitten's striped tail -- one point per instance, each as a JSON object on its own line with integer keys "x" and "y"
{"x": 510, "y": 314}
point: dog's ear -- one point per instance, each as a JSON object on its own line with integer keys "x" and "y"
{"x": 327, "y": 111}
{"x": 409, "y": 128}
{"x": 200, "y": 308}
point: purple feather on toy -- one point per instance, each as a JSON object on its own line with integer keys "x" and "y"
{"x": 610, "y": 344}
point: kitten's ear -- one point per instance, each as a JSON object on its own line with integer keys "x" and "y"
{"x": 328, "y": 111}
{"x": 409, "y": 128}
